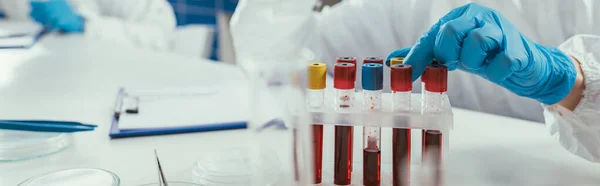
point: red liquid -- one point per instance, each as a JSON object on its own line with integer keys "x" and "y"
{"x": 401, "y": 157}
{"x": 432, "y": 151}
{"x": 317, "y": 131}
{"x": 342, "y": 168}
{"x": 296, "y": 171}
{"x": 432, "y": 146}
{"x": 372, "y": 167}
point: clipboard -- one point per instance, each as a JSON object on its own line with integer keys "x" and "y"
{"x": 167, "y": 111}
{"x": 20, "y": 35}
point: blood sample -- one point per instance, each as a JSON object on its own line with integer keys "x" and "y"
{"x": 295, "y": 149}
{"x": 435, "y": 79}
{"x": 344, "y": 78}
{"x": 401, "y": 85}
{"x": 349, "y": 59}
{"x": 372, "y": 163}
{"x": 372, "y": 83}
{"x": 373, "y": 60}
{"x": 342, "y": 173}
{"x": 317, "y": 131}
{"x": 432, "y": 146}
{"x": 316, "y": 89}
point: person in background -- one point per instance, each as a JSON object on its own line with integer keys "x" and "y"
{"x": 140, "y": 23}
{"x": 534, "y": 60}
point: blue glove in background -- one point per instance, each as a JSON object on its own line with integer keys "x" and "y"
{"x": 481, "y": 41}
{"x": 57, "y": 15}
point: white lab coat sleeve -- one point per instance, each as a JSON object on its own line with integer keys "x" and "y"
{"x": 350, "y": 28}
{"x": 264, "y": 28}
{"x": 579, "y": 131}
{"x": 140, "y": 23}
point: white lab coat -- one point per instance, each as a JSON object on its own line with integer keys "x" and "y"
{"x": 377, "y": 27}
{"x": 139, "y": 23}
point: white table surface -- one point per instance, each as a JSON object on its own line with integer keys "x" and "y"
{"x": 69, "y": 77}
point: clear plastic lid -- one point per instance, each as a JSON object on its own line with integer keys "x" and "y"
{"x": 22, "y": 145}
{"x": 79, "y": 176}
{"x": 232, "y": 168}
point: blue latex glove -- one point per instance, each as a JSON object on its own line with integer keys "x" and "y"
{"x": 399, "y": 53}
{"x": 57, "y": 15}
{"x": 481, "y": 41}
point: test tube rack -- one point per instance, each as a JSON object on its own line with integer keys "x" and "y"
{"x": 417, "y": 120}
{"x": 386, "y": 119}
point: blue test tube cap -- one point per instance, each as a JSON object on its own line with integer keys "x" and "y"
{"x": 372, "y": 76}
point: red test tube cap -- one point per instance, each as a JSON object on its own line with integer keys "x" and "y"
{"x": 346, "y": 59}
{"x": 435, "y": 78}
{"x": 373, "y": 60}
{"x": 401, "y": 77}
{"x": 344, "y": 75}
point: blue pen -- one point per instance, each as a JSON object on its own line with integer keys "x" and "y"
{"x": 45, "y": 126}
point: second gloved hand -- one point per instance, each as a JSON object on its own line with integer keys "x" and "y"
{"x": 481, "y": 41}
{"x": 57, "y": 15}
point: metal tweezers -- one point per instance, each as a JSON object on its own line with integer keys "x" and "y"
{"x": 161, "y": 176}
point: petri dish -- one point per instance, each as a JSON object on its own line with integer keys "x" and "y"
{"x": 232, "y": 168}
{"x": 78, "y": 176}
{"x": 22, "y": 145}
{"x": 173, "y": 183}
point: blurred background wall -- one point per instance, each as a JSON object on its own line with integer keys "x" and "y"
{"x": 207, "y": 22}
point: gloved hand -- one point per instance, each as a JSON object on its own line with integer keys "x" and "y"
{"x": 57, "y": 15}
{"x": 481, "y": 41}
{"x": 399, "y": 53}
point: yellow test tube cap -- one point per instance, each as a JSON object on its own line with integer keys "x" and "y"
{"x": 396, "y": 60}
{"x": 316, "y": 75}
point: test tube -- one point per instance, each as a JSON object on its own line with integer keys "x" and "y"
{"x": 435, "y": 79}
{"x": 344, "y": 75}
{"x": 295, "y": 155}
{"x": 401, "y": 85}
{"x": 373, "y": 60}
{"x": 349, "y": 59}
{"x": 316, "y": 90}
{"x": 372, "y": 83}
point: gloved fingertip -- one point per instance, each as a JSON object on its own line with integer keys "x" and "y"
{"x": 418, "y": 65}
{"x": 52, "y": 27}
{"x": 416, "y": 76}
{"x": 398, "y": 53}
{"x": 452, "y": 67}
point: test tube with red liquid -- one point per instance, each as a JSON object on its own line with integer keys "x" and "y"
{"x": 401, "y": 85}
{"x": 372, "y": 83}
{"x": 435, "y": 79}
{"x": 349, "y": 59}
{"x": 344, "y": 79}
{"x": 316, "y": 90}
